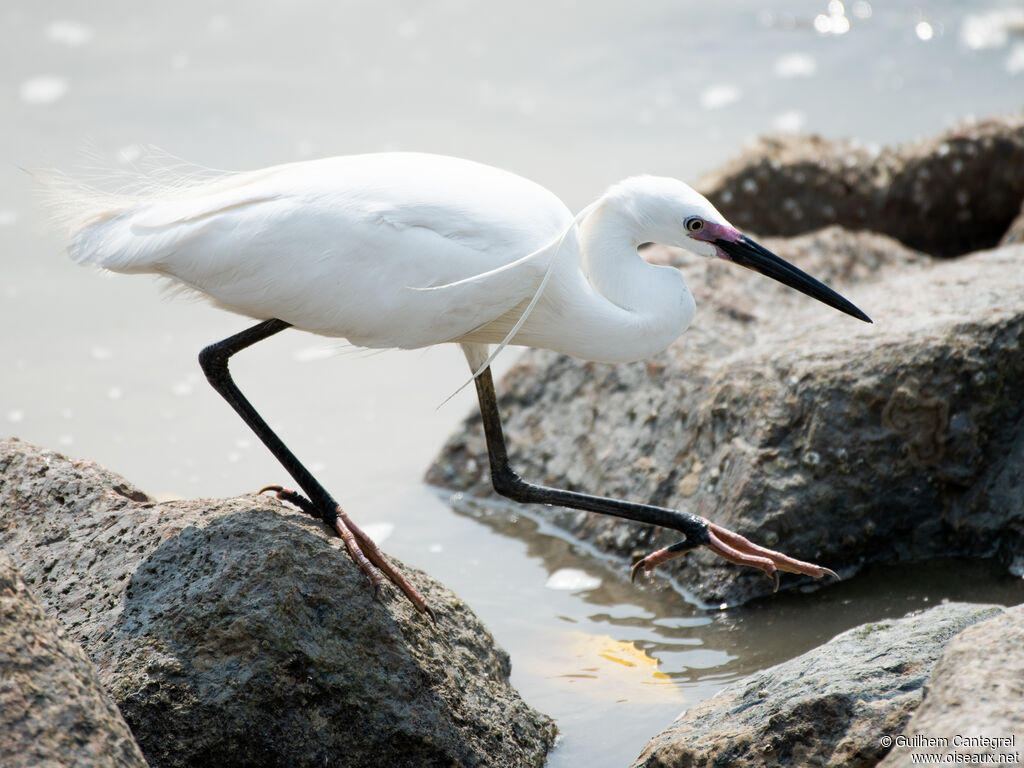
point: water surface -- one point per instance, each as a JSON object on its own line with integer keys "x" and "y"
{"x": 573, "y": 94}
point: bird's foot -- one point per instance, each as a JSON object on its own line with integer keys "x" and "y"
{"x": 739, "y": 550}
{"x": 361, "y": 548}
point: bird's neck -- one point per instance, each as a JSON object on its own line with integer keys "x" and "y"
{"x": 656, "y": 298}
{"x": 609, "y": 257}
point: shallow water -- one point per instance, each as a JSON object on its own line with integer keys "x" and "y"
{"x": 615, "y": 664}
{"x": 573, "y": 94}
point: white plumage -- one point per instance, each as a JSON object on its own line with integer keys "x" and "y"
{"x": 409, "y": 250}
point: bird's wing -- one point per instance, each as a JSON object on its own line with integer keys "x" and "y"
{"x": 507, "y": 322}
{"x": 380, "y": 253}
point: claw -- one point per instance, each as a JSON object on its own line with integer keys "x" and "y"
{"x": 655, "y": 559}
{"x": 300, "y": 501}
{"x": 728, "y": 544}
{"x": 361, "y": 548}
{"x": 357, "y": 554}
{"x": 740, "y": 551}
{"x": 369, "y": 550}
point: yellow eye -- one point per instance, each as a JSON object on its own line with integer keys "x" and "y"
{"x": 694, "y": 224}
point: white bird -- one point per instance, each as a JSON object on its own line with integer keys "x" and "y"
{"x": 409, "y": 250}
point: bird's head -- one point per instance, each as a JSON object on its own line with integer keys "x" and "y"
{"x": 670, "y": 212}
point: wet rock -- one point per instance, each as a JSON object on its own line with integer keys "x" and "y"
{"x": 833, "y": 440}
{"x": 828, "y": 707}
{"x": 975, "y": 695}
{"x": 235, "y": 632}
{"x": 53, "y": 710}
{"x": 947, "y": 195}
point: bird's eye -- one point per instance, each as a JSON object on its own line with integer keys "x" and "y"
{"x": 694, "y": 224}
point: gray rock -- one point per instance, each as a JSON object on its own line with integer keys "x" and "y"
{"x": 1015, "y": 232}
{"x": 976, "y": 692}
{"x": 53, "y": 710}
{"x": 828, "y": 707}
{"x": 835, "y": 441}
{"x": 236, "y": 632}
{"x": 947, "y": 195}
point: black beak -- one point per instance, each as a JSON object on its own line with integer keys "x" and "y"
{"x": 749, "y": 254}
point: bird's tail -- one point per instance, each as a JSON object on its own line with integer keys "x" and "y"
{"x": 81, "y": 213}
{"x": 96, "y": 218}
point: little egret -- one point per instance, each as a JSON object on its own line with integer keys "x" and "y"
{"x": 408, "y": 250}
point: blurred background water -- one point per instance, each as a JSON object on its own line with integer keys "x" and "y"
{"x": 573, "y": 94}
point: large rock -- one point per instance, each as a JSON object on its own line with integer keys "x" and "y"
{"x": 975, "y": 697}
{"x": 236, "y": 632}
{"x": 829, "y": 707}
{"x": 833, "y": 440}
{"x": 53, "y": 710}
{"x": 1015, "y": 232}
{"x": 966, "y": 184}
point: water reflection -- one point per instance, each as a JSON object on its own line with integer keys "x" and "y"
{"x": 649, "y": 648}
{"x": 991, "y": 28}
{"x": 69, "y": 33}
{"x": 43, "y": 89}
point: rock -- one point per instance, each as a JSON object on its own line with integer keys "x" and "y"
{"x": 832, "y": 440}
{"x": 947, "y": 195}
{"x": 1015, "y": 232}
{"x": 53, "y": 710}
{"x": 236, "y": 632}
{"x": 828, "y": 707}
{"x": 975, "y": 695}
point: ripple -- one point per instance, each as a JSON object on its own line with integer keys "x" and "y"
{"x": 43, "y": 89}
{"x": 861, "y": 9}
{"x": 991, "y": 29}
{"x": 835, "y": 23}
{"x": 608, "y": 668}
{"x": 572, "y": 579}
{"x": 718, "y": 96}
{"x": 67, "y": 32}
{"x": 379, "y": 532}
{"x": 790, "y": 121}
{"x": 795, "y": 65}
{"x": 1015, "y": 61}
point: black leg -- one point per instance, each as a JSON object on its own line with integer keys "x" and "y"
{"x": 214, "y": 362}
{"x": 696, "y": 530}
{"x": 508, "y": 483}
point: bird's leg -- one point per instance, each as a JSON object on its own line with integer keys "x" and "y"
{"x": 319, "y": 504}
{"x": 739, "y": 550}
{"x": 366, "y": 549}
{"x": 698, "y": 531}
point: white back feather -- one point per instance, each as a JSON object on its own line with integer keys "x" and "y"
{"x": 102, "y": 192}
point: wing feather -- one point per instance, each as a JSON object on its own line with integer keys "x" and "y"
{"x": 390, "y": 250}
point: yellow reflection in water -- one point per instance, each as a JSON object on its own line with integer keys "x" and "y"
{"x": 609, "y": 668}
